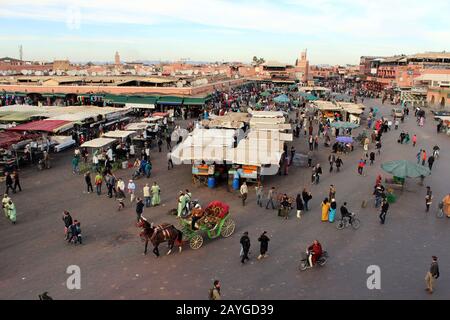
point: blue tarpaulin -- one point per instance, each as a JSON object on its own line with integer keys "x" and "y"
{"x": 281, "y": 99}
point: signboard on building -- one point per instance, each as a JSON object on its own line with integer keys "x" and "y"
{"x": 140, "y": 106}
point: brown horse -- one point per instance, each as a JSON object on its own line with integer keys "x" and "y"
{"x": 159, "y": 234}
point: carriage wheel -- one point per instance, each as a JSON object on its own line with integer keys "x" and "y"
{"x": 196, "y": 242}
{"x": 228, "y": 228}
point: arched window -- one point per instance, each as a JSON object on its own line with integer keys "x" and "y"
{"x": 443, "y": 102}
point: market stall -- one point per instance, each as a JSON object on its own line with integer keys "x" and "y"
{"x": 98, "y": 143}
{"x": 201, "y": 174}
{"x": 352, "y": 111}
{"x": 120, "y": 135}
{"x": 138, "y": 126}
{"x": 328, "y": 109}
{"x": 62, "y": 142}
{"x": 402, "y": 169}
{"x": 53, "y": 126}
{"x": 205, "y": 150}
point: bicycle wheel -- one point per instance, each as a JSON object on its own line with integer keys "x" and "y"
{"x": 356, "y": 224}
{"x": 440, "y": 213}
{"x": 340, "y": 225}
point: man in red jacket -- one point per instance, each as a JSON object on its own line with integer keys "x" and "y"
{"x": 314, "y": 252}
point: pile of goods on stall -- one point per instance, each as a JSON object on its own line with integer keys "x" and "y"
{"x": 213, "y": 213}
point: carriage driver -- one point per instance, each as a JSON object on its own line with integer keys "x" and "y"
{"x": 197, "y": 214}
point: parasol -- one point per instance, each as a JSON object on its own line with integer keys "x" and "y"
{"x": 281, "y": 99}
{"x": 405, "y": 169}
{"x": 344, "y": 125}
{"x": 344, "y": 139}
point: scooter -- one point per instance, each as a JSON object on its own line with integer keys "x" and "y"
{"x": 304, "y": 263}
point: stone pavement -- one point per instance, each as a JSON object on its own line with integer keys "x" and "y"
{"x": 34, "y": 256}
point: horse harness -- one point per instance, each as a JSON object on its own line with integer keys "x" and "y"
{"x": 164, "y": 229}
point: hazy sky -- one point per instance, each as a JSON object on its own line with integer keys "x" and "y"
{"x": 333, "y": 31}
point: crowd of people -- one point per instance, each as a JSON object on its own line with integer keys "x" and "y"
{"x": 317, "y": 131}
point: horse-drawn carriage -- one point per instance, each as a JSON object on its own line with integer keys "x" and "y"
{"x": 214, "y": 221}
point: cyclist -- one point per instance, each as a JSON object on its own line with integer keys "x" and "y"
{"x": 346, "y": 213}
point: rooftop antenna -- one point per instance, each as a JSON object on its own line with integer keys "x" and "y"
{"x": 21, "y": 52}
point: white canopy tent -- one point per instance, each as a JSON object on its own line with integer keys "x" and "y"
{"x": 137, "y": 126}
{"x": 98, "y": 143}
{"x": 266, "y": 114}
{"x": 259, "y": 147}
{"x": 118, "y": 134}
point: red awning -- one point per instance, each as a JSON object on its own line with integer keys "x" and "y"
{"x": 8, "y": 138}
{"x": 41, "y": 125}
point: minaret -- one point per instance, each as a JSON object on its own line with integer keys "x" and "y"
{"x": 117, "y": 58}
{"x": 303, "y": 65}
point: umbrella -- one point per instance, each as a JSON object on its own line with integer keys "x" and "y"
{"x": 405, "y": 169}
{"x": 308, "y": 96}
{"x": 344, "y": 125}
{"x": 282, "y": 98}
{"x": 265, "y": 94}
{"x": 344, "y": 139}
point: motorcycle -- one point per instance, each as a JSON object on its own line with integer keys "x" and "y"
{"x": 304, "y": 263}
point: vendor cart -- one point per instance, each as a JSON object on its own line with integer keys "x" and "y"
{"x": 215, "y": 222}
{"x": 201, "y": 173}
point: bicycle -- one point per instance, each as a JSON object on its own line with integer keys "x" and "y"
{"x": 346, "y": 222}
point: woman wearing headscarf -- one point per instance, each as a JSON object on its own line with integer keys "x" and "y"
{"x": 332, "y": 213}
{"x": 156, "y": 199}
{"x": 11, "y": 211}
{"x": 325, "y": 209}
